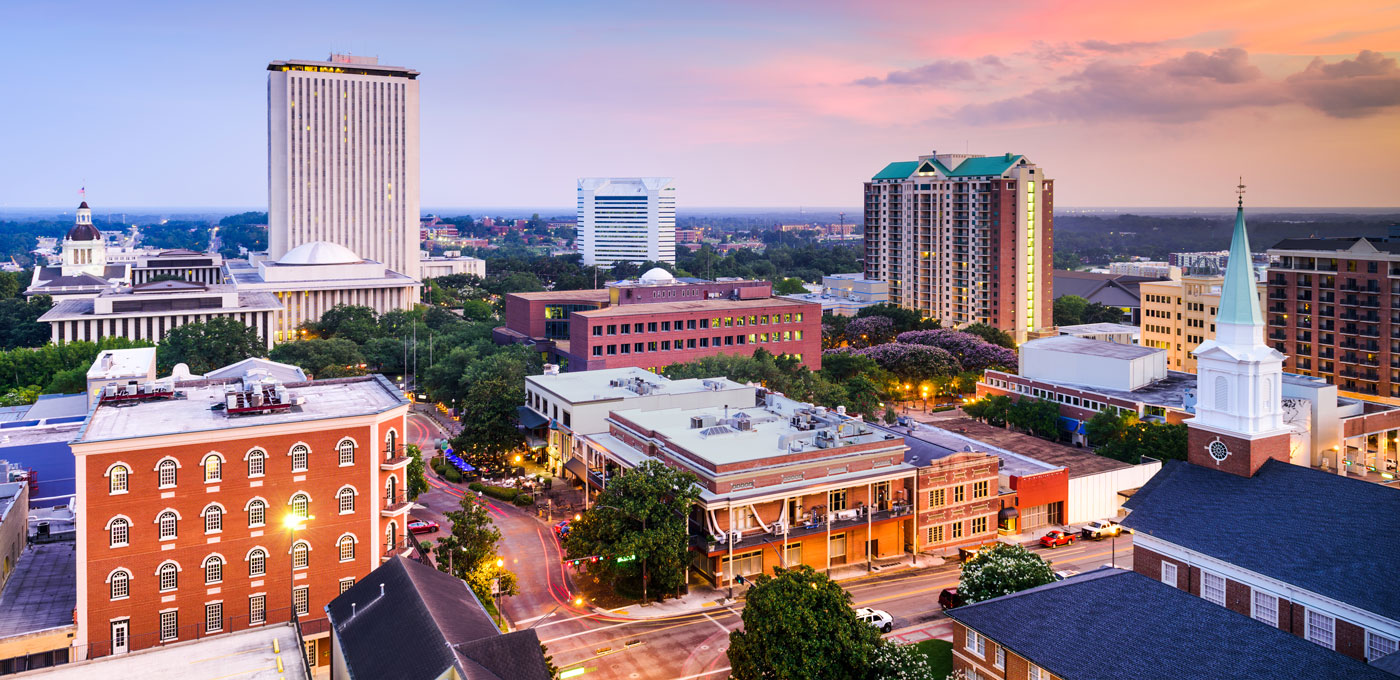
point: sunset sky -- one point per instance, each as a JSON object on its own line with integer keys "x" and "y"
{"x": 762, "y": 104}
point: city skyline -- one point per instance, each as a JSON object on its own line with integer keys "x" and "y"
{"x": 172, "y": 111}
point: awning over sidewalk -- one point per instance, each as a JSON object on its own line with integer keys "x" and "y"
{"x": 576, "y": 466}
{"x": 529, "y": 419}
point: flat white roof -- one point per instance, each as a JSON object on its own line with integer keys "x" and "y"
{"x": 1098, "y": 328}
{"x": 1070, "y": 344}
{"x": 585, "y": 386}
{"x": 335, "y": 398}
{"x": 124, "y": 363}
{"x": 246, "y": 654}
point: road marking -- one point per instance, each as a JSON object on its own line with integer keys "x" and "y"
{"x": 586, "y": 632}
{"x": 717, "y": 623}
{"x": 706, "y": 673}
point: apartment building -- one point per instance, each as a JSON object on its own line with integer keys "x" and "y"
{"x": 1179, "y": 314}
{"x": 657, "y": 320}
{"x": 965, "y": 239}
{"x": 186, "y": 495}
{"x": 1334, "y": 309}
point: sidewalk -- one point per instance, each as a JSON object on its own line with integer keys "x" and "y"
{"x": 941, "y": 630}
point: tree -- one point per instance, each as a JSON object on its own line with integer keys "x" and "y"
{"x": 904, "y": 319}
{"x": 1040, "y": 417}
{"x": 355, "y": 323}
{"x": 494, "y": 388}
{"x": 205, "y": 346}
{"x": 469, "y": 551}
{"x": 19, "y": 321}
{"x": 1107, "y": 425}
{"x": 1069, "y": 310}
{"x": 1097, "y": 312}
{"x": 869, "y": 331}
{"x": 799, "y": 625}
{"x": 638, "y": 527}
{"x": 1001, "y": 570}
{"x": 993, "y": 409}
{"x": 316, "y": 355}
{"x": 417, "y": 480}
{"x": 996, "y": 336}
{"x": 893, "y": 661}
{"x": 789, "y": 286}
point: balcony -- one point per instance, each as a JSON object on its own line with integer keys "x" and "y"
{"x": 396, "y": 463}
{"x": 858, "y": 518}
{"x": 393, "y": 509}
{"x": 1327, "y": 353}
{"x": 1278, "y": 335}
{"x": 1326, "y": 296}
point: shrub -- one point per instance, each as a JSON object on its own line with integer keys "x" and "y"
{"x": 476, "y": 486}
{"x": 524, "y": 500}
{"x": 499, "y": 492}
{"x": 452, "y": 475}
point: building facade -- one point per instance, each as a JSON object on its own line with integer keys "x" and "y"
{"x": 1334, "y": 309}
{"x": 150, "y": 310}
{"x": 1179, "y": 314}
{"x": 846, "y": 294}
{"x": 343, "y": 158}
{"x": 187, "y": 265}
{"x": 627, "y": 219}
{"x": 964, "y": 239}
{"x": 184, "y": 509}
{"x": 84, "y": 269}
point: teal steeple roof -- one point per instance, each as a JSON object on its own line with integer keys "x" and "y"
{"x": 1239, "y": 298}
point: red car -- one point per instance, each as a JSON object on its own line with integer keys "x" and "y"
{"x": 419, "y": 526}
{"x": 561, "y": 529}
{"x": 1056, "y": 538}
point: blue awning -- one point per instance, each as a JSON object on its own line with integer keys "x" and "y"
{"x": 529, "y": 419}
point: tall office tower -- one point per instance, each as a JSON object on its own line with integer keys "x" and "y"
{"x": 343, "y": 158}
{"x": 964, "y": 239}
{"x": 627, "y": 219}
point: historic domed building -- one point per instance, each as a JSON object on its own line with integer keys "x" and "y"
{"x": 84, "y": 271}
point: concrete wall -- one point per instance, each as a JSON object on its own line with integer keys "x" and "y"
{"x": 1096, "y": 496}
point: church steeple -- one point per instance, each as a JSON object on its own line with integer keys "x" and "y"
{"x": 1238, "y": 320}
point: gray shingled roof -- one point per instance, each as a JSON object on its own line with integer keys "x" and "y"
{"x": 1282, "y": 523}
{"x": 425, "y": 622}
{"x": 1111, "y": 624}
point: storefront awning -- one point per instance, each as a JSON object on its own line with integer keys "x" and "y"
{"x": 529, "y": 419}
{"x": 576, "y": 466}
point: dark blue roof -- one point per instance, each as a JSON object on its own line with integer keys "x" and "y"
{"x": 1112, "y": 624}
{"x": 1322, "y": 532}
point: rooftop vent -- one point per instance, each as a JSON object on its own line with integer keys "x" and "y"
{"x": 136, "y": 392}
{"x": 256, "y": 395}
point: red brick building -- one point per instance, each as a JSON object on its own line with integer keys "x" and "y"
{"x": 183, "y": 500}
{"x": 657, "y": 320}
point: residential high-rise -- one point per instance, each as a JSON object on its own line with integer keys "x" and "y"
{"x": 343, "y": 158}
{"x": 964, "y": 239}
{"x": 1179, "y": 314}
{"x": 627, "y": 219}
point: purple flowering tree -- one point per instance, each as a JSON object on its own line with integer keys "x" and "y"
{"x": 974, "y": 353}
{"x": 909, "y": 363}
{"x": 869, "y": 331}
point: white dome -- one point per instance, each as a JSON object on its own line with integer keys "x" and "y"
{"x": 320, "y": 252}
{"x": 657, "y": 275}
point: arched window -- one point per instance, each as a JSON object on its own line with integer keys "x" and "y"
{"x": 257, "y": 562}
{"x": 257, "y": 462}
{"x": 391, "y": 491}
{"x": 213, "y": 569}
{"x": 169, "y": 576}
{"x": 347, "y": 548}
{"x": 301, "y": 505}
{"x": 167, "y": 522}
{"x": 116, "y": 479}
{"x": 301, "y": 555}
{"x": 1222, "y": 393}
{"x": 213, "y": 468}
{"x": 346, "y": 499}
{"x": 391, "y": 536}
{"x": 346, "y": 448}
{"x": 119, "y": 532}
{"x": 166, "y": 473}
{"x": 391, "y": 444}
{"x": 213, "y": 519}
{"x": 120, "y": 582}
{"x": 257, "y": 513}
{"x": 299, "y": 455}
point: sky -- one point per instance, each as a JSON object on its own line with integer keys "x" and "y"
{"x": 772, "y": 103}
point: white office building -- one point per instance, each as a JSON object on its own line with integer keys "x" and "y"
{"x": 627, "y": 219}
{"x": 343, "y": 158}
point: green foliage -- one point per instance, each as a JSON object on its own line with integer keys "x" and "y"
{"x": 893, "y": 661}
{"x": 187, "y": 234}
{"x": 315, "y": 356}
{"x": 789, "y": 286}
{"x": 355, "y": 323}
{"x": 23, "y": 366}
{"x": 1108, "y": 425}
{"x": 500, "y": 493}
{"x": 904, "y": 319}
{"x": 799, "y": 625}
{"x": 248, "y": 230}
{"x": 1040, "y": 417}
{"x": 494, "y": 386}
{"x": 469, "y": 551}
{"x": 1161, "y": 441}
{"x": 20, "y": 396}
{"x": 19, "y": 321}
{"x": 850, "y": 381}
{"x": 68, "y": 381}
{"x": 417, "y": 480}
{"x": 208, "y": 345}
{"x": 992, "y": 410}
{"x": 643, "y": 513}
{"x": 1071, "y": 310}
{"x": 1001, "y": 570}
{"x": 996, "y": 336}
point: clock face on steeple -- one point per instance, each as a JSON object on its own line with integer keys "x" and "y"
{"x": 1218, "y": 451}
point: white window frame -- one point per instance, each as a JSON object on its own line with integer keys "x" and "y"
{"x": 1000, "y": 661}
{"x": 160, "y": 576}
{"x": 1169, "y": 574}
{"x": 1206, "y": 589}
{"x": 213, "y": 515}
{"x": 161, "y": 468}
{"x": 218, "y": 475}
{"x": 119, "y": 575}
{"x": 304, "y": 512}
{"x": 217, "y": 562}
{"x": 341, "y": 451}
{"x": 256, "y": 556}
{"x": 1389, "y": 645}
{"x": 175, "y": 526}
{"x": 259, "y": 456}
{"x": 170, "y": 619}
{"x": 340, "y": 547}
{"x": 113, "y": 475}
{"x": 975, "y": 643}
{"x": 257, "y": 609}
{"x": 304, "y": 553}
{"x": 125, "y": 523}
{"x": 1330, "y": 641}
{"x": 341, "y": 498}
{"x": 1263, "y": 607}
{"x": 301, "y": 599}
{"x": 215, "y": 607}
{"x": 303, "y": 452}
{"x": 248, "y": 508}
{"x": 346, "y": 584}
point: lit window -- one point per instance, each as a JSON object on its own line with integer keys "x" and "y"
{"x": 169, "y": 576}
{"x": 301, "y": 505}
{"x": 257, "y": 562}
{"x": 166, "y": 475}
{"x": 121, "y": 585}
{"x": 117, "y": 479}
{"x": 213, "y": 468}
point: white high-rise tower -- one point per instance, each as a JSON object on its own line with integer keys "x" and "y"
{"x": 627, "y": 219}
{"x": 343, "y": 158}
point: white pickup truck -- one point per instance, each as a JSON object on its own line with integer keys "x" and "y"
{"x": 1100, "y": 529}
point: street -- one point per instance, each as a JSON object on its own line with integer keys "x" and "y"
{"x": 691, "y": 645}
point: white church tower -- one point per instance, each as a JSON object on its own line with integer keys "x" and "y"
{"x": 1239, "y": 414}
{"x": 84, "y": 250}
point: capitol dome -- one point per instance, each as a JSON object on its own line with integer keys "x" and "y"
{"x": 657, "y": 275}
{"x": 320, "y": 252}
{"x": 83, "y": 232}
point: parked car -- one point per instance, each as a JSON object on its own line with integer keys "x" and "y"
{"x": 875, "y": 617}
{"x": 561, "y": 529}
{"x": 1057, "y": 538}
{"x": 419, "y": 526}
{"x": 949, "y": 598}
{"x": 1100, "y": 529}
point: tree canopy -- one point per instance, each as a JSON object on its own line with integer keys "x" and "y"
{"x": 205, "y": 346}
{"x": 1001, "y": 570}
{"x": 799, "y": 625}
{"x": 469, "y": 552}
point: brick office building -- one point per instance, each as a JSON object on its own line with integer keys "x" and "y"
{"x": 184, "y": 492}
{"x": 1334, "y": 310}
{"x": 657, "y": 320}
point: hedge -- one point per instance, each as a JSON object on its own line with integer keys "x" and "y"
{"x": 498, "y": 492}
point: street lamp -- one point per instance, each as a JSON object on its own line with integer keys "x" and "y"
{"x": 293, "y": 522}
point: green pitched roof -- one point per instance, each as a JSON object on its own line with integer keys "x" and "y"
{"x": 1239, "y": 298}
{"x": 898, "y": 170}
{"x": 971, "y": 167}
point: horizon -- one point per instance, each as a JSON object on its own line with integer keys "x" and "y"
{"x": 744, "y": 105}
